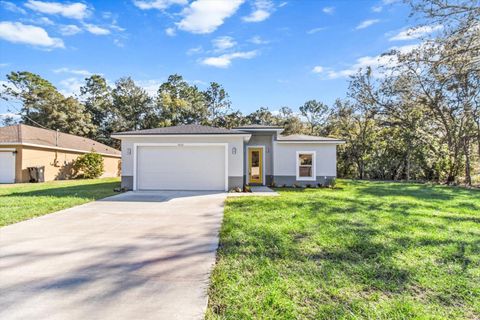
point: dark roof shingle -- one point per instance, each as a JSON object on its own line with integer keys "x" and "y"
{"x": 181, "y": 130}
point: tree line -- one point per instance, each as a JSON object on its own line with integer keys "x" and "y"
{"x": 99, "y": 109}
{"x": 417, "y": 117}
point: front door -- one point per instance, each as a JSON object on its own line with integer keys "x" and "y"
{"x": 255, "y": 165}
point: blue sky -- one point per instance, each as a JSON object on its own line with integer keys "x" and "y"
{"x": 265, "y": 53}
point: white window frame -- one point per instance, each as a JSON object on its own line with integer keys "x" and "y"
{"x": 314, "y": 166}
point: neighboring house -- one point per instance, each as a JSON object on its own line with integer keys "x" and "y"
{"x": 194, "y": 157}
{"x": 23, "y": 146}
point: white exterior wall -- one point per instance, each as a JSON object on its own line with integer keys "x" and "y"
{"x": 285, "y": 158}
{"x": 235, "y": 161}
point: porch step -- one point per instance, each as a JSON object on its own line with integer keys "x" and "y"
{"x": 257, "y": 189}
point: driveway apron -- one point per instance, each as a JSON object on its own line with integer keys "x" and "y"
{"x": 138, "y": 255}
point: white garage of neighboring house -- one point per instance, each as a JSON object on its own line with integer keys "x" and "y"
{"x": 7, "y": 165}
{"x": 195, "y": 157}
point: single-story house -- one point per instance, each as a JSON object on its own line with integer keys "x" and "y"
{"x": 195, "y": 157}
{"x": 23, "y": 146}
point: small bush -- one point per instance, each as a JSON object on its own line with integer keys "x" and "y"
{"x": 235, "y": 190}
{"x": 333, "y": 183}
{"x": 89, "y": 165}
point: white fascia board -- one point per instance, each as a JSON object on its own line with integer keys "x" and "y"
{"x": 260, "y": 129}
{"x": 312, "y": 142}
{"x": 122, "y": 136}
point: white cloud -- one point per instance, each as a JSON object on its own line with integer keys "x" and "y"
{"x": 3, "y": 65}
{"x": 225, "y": 60}
{"x": 157, "y": 4}
{"x": 318, "y": 69}
{"x": 198, "y": 82}
{"x": 118, "y": 43}
{"x": 387, "y": 2}
{"x": 10, "y": 115}
{"x": 223, "y": 43}
{"x": 282, "y": 4}
{"x": 415, "y": 33}
{"x": 114, "y": 26}
{"x": 79, "y": 72}
{"x": 17, "y": 32}
{"x": 375, "y": 62}
{"x": 328, "y": 10}
{"x": 367, "y": 23}
{"x": 76, "y": 10}
{"x": 45, "y": 21}
{"x": 315, "y": 30}
{"x": 94, "y": 29}
{"x": 258, "y": 40}
{"x": 7, "y": 84}
{"x": 107, "y": 15}
{"x": 262, "y": 11}
{"x": 151, "y": 85}
{"x": 10, "y": 6}
{"x": 205, "y": 16}
{"x": 71, "y": 86}
{"x": 69, "y": 30}
{"x": 195, "y": 50}
{"x": 379, "y": 8}
{"x": 170, "y": 32}
{"x": 407, "y": 48}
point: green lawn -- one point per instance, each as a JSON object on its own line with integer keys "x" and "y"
{"x": 27, "y": 200}
{"x": 367, "y": 250}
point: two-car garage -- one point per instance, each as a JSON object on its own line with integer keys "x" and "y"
{"x": 181, "y": 167}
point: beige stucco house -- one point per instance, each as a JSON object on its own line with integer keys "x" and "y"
{"x": 23, "y": 146}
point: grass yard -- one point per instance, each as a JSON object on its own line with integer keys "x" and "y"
{"x": 367, "y": 250}
{"x": 24, "y": 201}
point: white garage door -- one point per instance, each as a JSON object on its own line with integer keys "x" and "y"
{"x": 7, "y": 167}
{"x": 184, "y": 167}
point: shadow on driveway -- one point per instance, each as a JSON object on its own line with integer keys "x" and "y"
{"x": 132, "y": 256}
{"x": 158, "y": 196}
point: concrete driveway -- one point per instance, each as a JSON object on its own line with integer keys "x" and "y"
{"x": 145, "y": 255}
